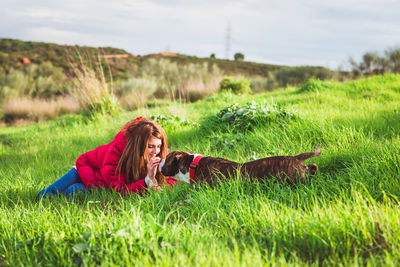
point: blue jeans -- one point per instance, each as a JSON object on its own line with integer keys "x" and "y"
{"x": 69, "y": 184}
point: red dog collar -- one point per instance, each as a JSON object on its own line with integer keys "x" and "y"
{"x": 193, "y": 166}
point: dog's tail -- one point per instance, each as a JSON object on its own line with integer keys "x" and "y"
{"x": 308, "y": 155}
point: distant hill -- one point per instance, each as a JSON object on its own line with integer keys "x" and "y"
{"x": 229, "y": 66}
{"x": 15, "y": 53}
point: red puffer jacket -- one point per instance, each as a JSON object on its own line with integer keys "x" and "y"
{"x": 97, "y": 167}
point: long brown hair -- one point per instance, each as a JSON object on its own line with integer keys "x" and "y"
{"x": 134, "y": 158}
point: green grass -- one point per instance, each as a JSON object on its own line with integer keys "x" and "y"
{"x": 347, "y": 215}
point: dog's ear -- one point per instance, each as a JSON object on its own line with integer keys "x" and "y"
{"x": 176, "y": 156}
{"x": 175, "y": 159}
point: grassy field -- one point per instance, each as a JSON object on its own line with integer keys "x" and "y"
{"x": 347, "y": 215}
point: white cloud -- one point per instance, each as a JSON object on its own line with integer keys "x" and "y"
{"x": 60, "y": 36}
{"x": 285, "y": 31}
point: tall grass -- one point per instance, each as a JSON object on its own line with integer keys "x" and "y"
{"x": 94, "y": 94}
{"x": 348, "y": 214}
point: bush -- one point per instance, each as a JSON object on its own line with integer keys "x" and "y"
{"x": 135, "y": 92}
{"x": 172, "y": 121}
{"x": 196, "y": 95}
{"x": 247, "y": 116}
{"x": 4, "y": 59}
{"x": 236, "y": 86}
{"x": 157, "y": 103}
{"x": 43, "y": 81}
{"x": 14, "y": 84}
{"x": 45, "y": 87}
{"x": 258, "y": 84}
{"x": 175, "y": 81}
{"x": 298, "y": 75}
{"x": 311, "y": 85}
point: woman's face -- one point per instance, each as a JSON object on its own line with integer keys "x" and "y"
{"x": 154, "y": 146}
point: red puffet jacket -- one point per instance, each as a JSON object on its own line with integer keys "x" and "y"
{"x": 97, "y": 167}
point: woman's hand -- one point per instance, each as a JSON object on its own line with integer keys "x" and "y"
{"x": 152, "y": 167}
{"x": 157, "y": 188}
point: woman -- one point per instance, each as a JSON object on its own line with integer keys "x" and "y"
{"x": 127, "y": 164}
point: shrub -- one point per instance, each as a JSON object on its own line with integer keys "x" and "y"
{"x": 175, "y": 81}
{"x": 245, "y": 117}
{"x": 145, "y": 84}
{"x": 136, "y": 91}
{"x": 45, "y": 87}
{"x": 4, "y": 59}
{"x": 311, "y": 85}
{"x": 43, "y": 81}
{"x": 196, "y": 95}
{"x": 172, "y": 120}
{"x": 298, "y": 75}
{"x": 157, "y": 103}
{"x": 258, "y": 84}
{"x": 236, "y": 86}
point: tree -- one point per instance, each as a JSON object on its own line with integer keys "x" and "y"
{"x": 212, "y": 56}
{"x": 239, "y": 57}
{"x": 393, "y": 57}
{"x": 373, "y": 63}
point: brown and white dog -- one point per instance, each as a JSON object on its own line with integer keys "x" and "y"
{"x": 194, "y": 168}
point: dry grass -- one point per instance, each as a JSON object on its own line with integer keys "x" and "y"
{"x": 134, "y": 100}
{"x": 136, "y": 91}
{"x": 163, "y": 79}
{"x": 176, "y": 81}
{"x": 34, "y": 110}
{"x": 91, "y": 89}
{"x": 196, "y": 89}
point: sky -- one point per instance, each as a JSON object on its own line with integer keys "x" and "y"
{"x": 286, "y": 32}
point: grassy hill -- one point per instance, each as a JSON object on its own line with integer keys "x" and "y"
{"x": 16, "y": 53}
{"x": 13, "y": 52}
{"x": 347, "y": 215}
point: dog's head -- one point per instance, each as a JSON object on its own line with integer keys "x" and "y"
{"x": 176, "y": 162}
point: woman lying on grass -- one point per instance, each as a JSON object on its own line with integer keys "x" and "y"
{"x": 127, "y": 164}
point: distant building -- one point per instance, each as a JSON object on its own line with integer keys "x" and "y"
{"x": 26, "y": 60}
{"x": 23, "y": 61}
{"x": 171, "y": 54}
{"x": 117, "y": 56}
